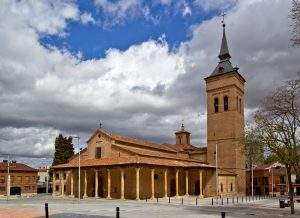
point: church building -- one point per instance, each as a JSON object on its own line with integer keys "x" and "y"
{"x": 115, "y": 166}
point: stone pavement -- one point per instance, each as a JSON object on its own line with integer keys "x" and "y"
{"x": 92, "y": 208}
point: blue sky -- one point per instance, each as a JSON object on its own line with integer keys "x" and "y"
{"x": 93, "y": 39}
{"x": 125, "y": 76}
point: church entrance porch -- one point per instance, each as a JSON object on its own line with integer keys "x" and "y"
{"x": 131, "y": 182}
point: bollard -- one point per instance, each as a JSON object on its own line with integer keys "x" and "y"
{"x": 258, "y": 197}
{"x": 222, "y": 201}
{"x": 237, "y": 199}
{"x": 242, "y": 199}
{"x": 146, "y": 199}
{"x": 196, "y": 201}
{"x": 223, "y": 214}
{"x": 212, "y": 201}
{"x": 182, "y": 201}
{"x": 169, "y": 200}
{"x": 46, "y": 210}
{"x": 117, "y": 212}
{"x": 227, "y": 200}
{"x": 156, "y": 200}
{"x": 233, "y": 200}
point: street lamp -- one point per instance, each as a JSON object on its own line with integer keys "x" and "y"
{"x": 217, "y": 179}
{"x": 8, "y": 180}
{"x": 78, "y": 138}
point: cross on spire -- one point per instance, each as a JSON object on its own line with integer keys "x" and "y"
{"x": 100, "y": 124}
{"x": 223, "y": 19}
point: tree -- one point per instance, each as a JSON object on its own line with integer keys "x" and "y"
{"x": 253, "y": 149}
{"x": 295, "y": 16}
{"x": 63, "y": 150}
{"x": 277, "y": 124}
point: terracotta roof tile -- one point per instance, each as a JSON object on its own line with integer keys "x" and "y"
{"x": 16, "y": 167}
{"x": 155, "y": 153}
{"x": 117, "y": 161}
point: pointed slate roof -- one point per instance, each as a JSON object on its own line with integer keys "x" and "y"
{"x": 224, "y": 65}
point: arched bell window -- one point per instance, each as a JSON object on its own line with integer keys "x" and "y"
{"x": 216, "y": 105}
{"x": 226, "y": 106}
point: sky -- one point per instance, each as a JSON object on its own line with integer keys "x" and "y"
{"x": 136, "y": 66}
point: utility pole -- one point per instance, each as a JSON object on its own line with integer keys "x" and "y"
{"x": 251, "y": 156}
{"x": 79, "y": 150}
{"x": 8, "y": 180}
{"x": 217, "y": 179}
{"x": 47, "y": 180}
{"x": 272, "y": 180}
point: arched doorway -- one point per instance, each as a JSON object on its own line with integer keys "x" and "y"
{"x": 197, "y": 187}
{"x": 15, "y": 190}
{"x": 173, "y": 187}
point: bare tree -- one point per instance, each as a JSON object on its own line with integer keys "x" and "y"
{"x": 277, "y": 128}
{"x": 295, "y": 16}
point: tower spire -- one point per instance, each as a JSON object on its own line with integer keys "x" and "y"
{"x": 224, "y": 51}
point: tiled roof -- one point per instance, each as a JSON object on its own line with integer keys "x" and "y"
{"x": 142, "y": 142}
{"x": 155, "y": 153}
{"x": 131, "y": 160}
{"x": 16, "y": 167}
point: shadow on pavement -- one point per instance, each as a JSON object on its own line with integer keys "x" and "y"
{"x": 74, "y": 215}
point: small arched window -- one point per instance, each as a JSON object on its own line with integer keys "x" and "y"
{"x": 216, "y": 105}
{"x": 231, "y": 187}
{"x": 226, "y": 103}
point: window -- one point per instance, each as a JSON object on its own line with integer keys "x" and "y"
{"x": 19, "y": 179}
{"x": 98, "y": 152}
{"x": 216, "y": 105}
{"x": 64, "y": 176}
{"x": 2, "y": 188}
{"x": 226, "y": 103}
{"x": 2, "y": 179}
{"x": 221, "y": 187}
{"x": 179, "y": 137}
{"x": 27, "y": 179}
{"x": 231, "y": 187}
{"x": 282, "y": 180}
{"x": 155, "y": 176}
{"x": 57, "y": 188}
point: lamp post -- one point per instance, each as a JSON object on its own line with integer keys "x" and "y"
{"x": 78, "y": 138}
{"x": 8, "y": 180}
{"x": 217, "y": 179}
{"x": 272, "y": 181}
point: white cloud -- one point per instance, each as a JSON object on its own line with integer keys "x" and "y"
{"x": 186, "y": 10}
{"x": 29, "y": 141}
{"x": 87, "y": 18}
{"x": 43, "y": 16}
{"x": 209, "y": 5}
{"x": 120, "y": 9}
{"x": 143, "y": 91}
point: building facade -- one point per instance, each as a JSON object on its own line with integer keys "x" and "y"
{"x": 115, "y": 166}
{"x": 272, "y": 175}
{"x": 20, "y": 179}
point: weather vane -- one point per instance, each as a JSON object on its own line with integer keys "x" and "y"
{"x": 223, "y": 19}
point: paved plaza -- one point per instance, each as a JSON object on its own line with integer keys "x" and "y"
{"x": 34, "y": 207}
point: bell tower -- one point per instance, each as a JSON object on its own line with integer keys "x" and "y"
{"x": 225, "y": 122}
